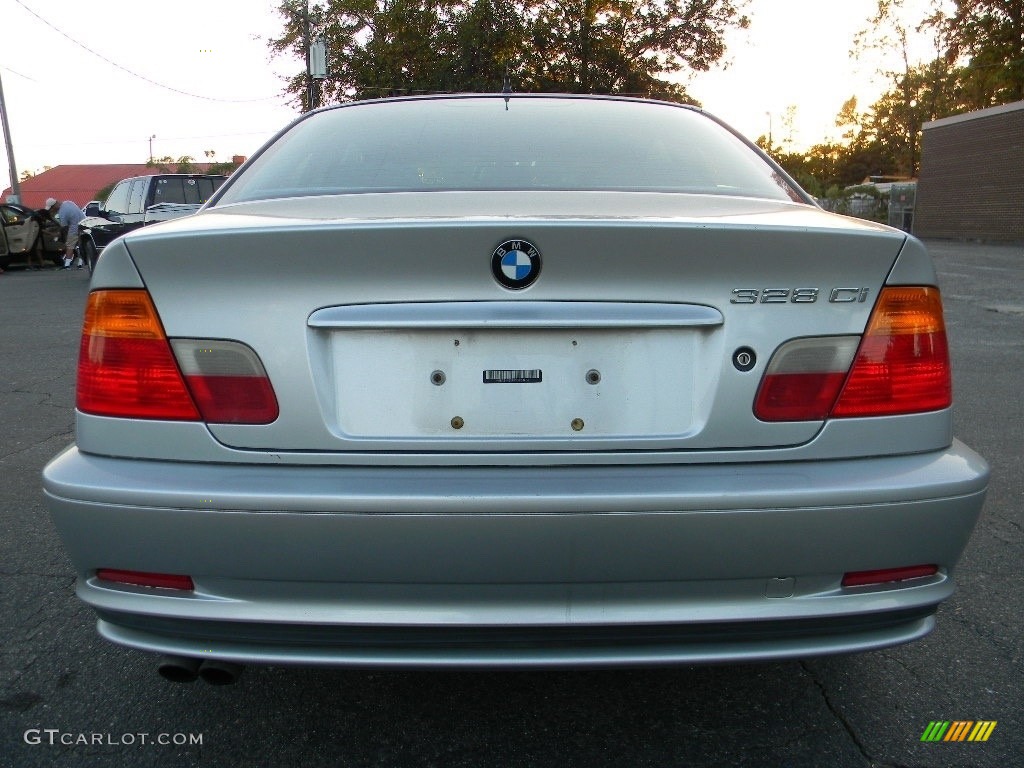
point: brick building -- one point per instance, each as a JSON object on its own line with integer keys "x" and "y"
{"x": 971, "y": 185}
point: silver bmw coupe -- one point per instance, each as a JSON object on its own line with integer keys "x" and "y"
{"x": 512, "y": 381}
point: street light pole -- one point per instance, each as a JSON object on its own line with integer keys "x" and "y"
{"x": 15, "y": 184}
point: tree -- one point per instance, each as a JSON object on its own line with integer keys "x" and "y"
{"x": 828, "y": 168}
{"x": 225, "y": 167}
{"x": 487, "y": 43}
{"x": 925, "y": 92}
{"x": 184, "y": 164}
{"x": 104, "y": 192}
{"x": 989, "y": 36}
{"x": 627, "y": 46}
{"x": 375, "y": 47}
{"x": 187, "y": 164}
{"x": 920, "y": 91}
{"x": 978, "y": 62}
{"x": 26, "y": 174}
{"x": 385, "y": 47}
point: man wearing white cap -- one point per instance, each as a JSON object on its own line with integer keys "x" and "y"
{"x": 69, "y": 215}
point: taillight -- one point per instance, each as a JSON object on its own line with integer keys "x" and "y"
{"x": 900, "y": 365}
{"x": 128, "y": 368}
{"x": 227, "y": 380}
{"x": 804, "y": 377}
{"x": 125, "y": 365}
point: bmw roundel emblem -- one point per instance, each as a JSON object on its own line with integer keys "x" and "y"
{"x": 515, "y": 264}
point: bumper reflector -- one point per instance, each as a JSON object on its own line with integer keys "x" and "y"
{"x": 886, "y": 575}
{"x": 145, "y": 579}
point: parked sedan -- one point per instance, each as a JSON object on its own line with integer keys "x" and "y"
{"x": 26, "y": 234}
{"x": 512, "y": 381}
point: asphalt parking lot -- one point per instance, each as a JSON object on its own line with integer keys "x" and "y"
{"x": 69, "y": 698}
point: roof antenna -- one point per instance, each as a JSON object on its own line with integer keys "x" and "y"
{"x": 506, "y": 87}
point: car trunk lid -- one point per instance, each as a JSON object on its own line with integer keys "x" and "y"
{"x": 382, "y": 328}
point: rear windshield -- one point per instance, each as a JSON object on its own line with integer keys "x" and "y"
{"x": 525, "y": 144}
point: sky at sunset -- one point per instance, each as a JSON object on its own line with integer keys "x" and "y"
{"x": 92, "y": 83}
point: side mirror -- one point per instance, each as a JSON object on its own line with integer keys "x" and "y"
{"x": 92, "y": 209}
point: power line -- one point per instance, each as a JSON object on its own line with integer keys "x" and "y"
{"x": 112, "y": 63}
{"x": 125, "y": 139}
{"x": 16, "y": 72}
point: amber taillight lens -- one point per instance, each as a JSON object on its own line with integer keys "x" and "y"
{"x": 125, "y": 364}
{"x": 902, "y": 365}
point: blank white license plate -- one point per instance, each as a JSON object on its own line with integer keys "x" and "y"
{"x": 514, "y": 383}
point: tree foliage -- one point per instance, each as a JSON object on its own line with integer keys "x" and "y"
{"x": 989, "y": 36}
{"x": 27, "y": 174}
{"x": 978, "y": 62}
{"x": 386, "y": 47}
{"x": 389, "y": 47}
{"x": 168, "y": 164}
{"x": 187, "y": 164}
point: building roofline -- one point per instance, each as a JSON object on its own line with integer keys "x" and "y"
{"x": 1002, "y": 109}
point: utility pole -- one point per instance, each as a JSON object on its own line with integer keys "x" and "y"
{"x": 305, "y": 47}
{"x": 15, "y": 184}
{"x": 317, "y": 69}
{"x": 316, "y": 63}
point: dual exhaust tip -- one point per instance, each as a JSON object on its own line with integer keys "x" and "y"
{"x": 183, "y": 669}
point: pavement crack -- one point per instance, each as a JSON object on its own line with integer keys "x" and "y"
{"x": 20, "y": 701}
{"x": 838, "y": 714}
{"x": 67, "y": 434}
{"x": 985, "y": 633}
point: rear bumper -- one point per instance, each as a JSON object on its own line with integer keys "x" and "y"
{"x": 515, "y": 566}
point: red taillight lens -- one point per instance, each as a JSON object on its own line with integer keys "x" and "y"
{"x": 227, "y": 380}
{"x": 125, "y": 365}
{"x": 803, "y": 378}
{"x": 146, "y": 579}
{"x": 128, "y": 368}
{"x": 902, "y": 365}
{"x": 886, "y": 575}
